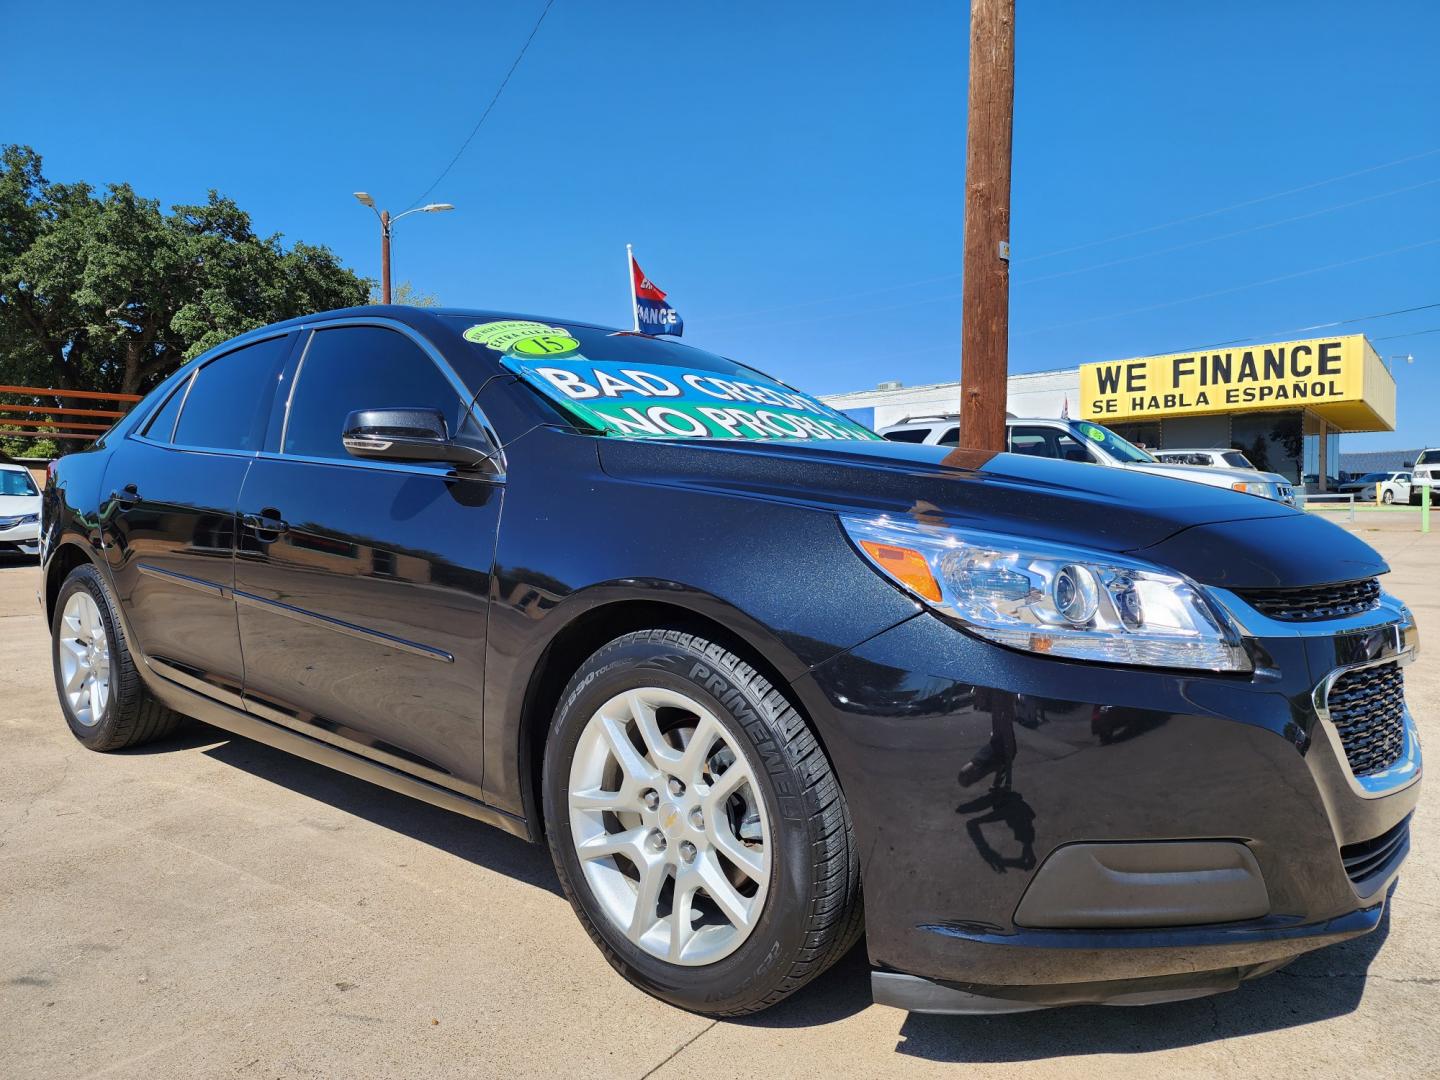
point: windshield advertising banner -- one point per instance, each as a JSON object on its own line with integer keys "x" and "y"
{"x": 643, "y": 400}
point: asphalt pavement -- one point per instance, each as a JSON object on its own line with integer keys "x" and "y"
{"x": 209, "y": 907}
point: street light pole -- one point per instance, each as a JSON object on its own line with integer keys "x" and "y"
{"x": 386, "y": 224}
{"x": 385, "y": 256}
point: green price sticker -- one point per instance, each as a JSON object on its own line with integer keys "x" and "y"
{"x": 545, "y": 345}
{"x": 521, "y": 337}
{"x": 1093, "y": 433}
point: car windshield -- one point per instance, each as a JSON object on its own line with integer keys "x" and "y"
{"x": 1113, "y": 444}
{"x": 635, "y": 386}
{"x": 13, "y": 482}
{"x": 1428, "y": 457}
{"x": 1372, "y": 477}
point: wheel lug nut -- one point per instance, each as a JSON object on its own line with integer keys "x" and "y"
{"x": 687, "y": 851}
{"x": 657, "y": 840}
{"x": 652, "y": 800}
{"x": 676, "y": 787}
{"x": 697, "y": 819}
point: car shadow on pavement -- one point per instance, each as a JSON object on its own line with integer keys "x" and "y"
{"x": 450, "y": 832}
{"x": 1318, "y": 986}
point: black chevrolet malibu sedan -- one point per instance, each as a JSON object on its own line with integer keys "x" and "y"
{"x": 1074, "y": 734}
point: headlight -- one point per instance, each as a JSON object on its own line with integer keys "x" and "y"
{"x": 1254, "y": 487}
{"x": 1054, "y": 599}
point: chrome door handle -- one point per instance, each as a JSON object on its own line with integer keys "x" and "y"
{"x": 129, "y": 495}
{"x": 267, "y": 521}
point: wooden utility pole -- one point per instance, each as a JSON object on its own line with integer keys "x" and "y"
{"x": 985, "y": 325}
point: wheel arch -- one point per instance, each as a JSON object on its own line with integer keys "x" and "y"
{"x": 68, "y": 555}
{"x": 603, "y": 622}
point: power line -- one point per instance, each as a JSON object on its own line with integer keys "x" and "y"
{"x": 1234, "y": 288}
{"x": 1415, "y": 333}
{"x": 479, "y": 123}
{"x": 1228, "y": 236}
{"x": 1233, "y": 206}
{"x": 1327, "y": 325}
{"x": 1122, "y": 236}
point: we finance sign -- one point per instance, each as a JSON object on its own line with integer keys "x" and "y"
{"x": 1316, "y": 372}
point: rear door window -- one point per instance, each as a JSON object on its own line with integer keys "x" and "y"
{"x": 910, "y": 435}
{"x": 229, "y": 403}
{"x": 162, "y": 424}
{"x": 1036, "y": 442}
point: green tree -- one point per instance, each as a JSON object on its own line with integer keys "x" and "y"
{"x": 108, "y": 292}
{"x": 407, "y": 293}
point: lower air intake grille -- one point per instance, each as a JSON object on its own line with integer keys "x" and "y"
{"x": 1315, "y": 602}
{"x": 1367, "y": 708}
{"x": 1372, "y": 858}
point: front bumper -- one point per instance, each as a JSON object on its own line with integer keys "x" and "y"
{"x": 973, "y": 771}
{"x": 23, "y": 539}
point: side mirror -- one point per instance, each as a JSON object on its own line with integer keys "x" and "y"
{"x": 408, "y": 434}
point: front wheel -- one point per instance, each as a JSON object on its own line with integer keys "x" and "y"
{"x": 664, "y": 773}
{"x": 1387, "y": 497}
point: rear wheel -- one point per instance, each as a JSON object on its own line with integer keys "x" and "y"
{"x": 663, "y": 772}
{"x": 101, "y": 695}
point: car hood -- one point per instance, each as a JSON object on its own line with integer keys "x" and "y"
{"x": 1118, "y": 510}
{"x": 16, "y": 505}
{"x": 1215, "y": 476}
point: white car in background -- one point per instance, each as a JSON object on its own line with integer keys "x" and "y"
{"x": 1395, "y": 487}
{"x": 1080, "y": 440}
{"x": 19, "y": 511}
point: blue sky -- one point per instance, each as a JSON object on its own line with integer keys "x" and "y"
{"x": 793, "y": 174}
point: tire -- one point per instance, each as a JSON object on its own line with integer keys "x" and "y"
{"x": 129, "y": 715}
{"x": 805, "y": 909}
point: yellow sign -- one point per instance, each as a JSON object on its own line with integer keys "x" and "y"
{"x": 1341, "y": 378}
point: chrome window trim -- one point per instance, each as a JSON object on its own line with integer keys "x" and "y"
{"x": 445, "y": 472}
{"x": 463, "y": 392}
{"x": 204, "y": 360}
{"x": 290, "y": 393}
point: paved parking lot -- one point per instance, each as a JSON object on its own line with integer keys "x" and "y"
{"x": 211, "y": 907}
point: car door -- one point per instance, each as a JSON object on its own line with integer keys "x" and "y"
{"x": 363, "y": 585}
{"x": 169, "y": 517}
{"x": 1402, "y": 487}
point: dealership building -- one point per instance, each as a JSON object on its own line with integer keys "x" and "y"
{"x": 1284, "y": 405}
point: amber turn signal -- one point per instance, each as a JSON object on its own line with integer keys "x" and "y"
{"x": 905, "y": 565}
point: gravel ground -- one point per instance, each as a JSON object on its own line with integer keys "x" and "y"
{"x": 209, "y": 907}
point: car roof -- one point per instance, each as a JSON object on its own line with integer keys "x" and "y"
{"x": 13, "y": 467}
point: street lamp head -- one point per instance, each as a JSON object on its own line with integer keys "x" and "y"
{"x": 365, "y": 200}
{"x": 430, "y": 207}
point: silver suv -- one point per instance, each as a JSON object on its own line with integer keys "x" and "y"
{"x": 1080, "y": 440}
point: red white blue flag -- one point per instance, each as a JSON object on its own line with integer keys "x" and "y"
{"x": 653, "y": 313}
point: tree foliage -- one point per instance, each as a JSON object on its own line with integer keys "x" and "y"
{"x": 407, "y": 293}
{"x": 108, "y": 292}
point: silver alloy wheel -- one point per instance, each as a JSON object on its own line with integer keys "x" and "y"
{"x": 84, "y": 658}
{"x": 670, "y": 826}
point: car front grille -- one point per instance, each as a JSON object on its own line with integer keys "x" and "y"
{"x": 1371, "y": 859}
{"x": 1367, "y": 707}
{"x": 1316, "y": 601}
